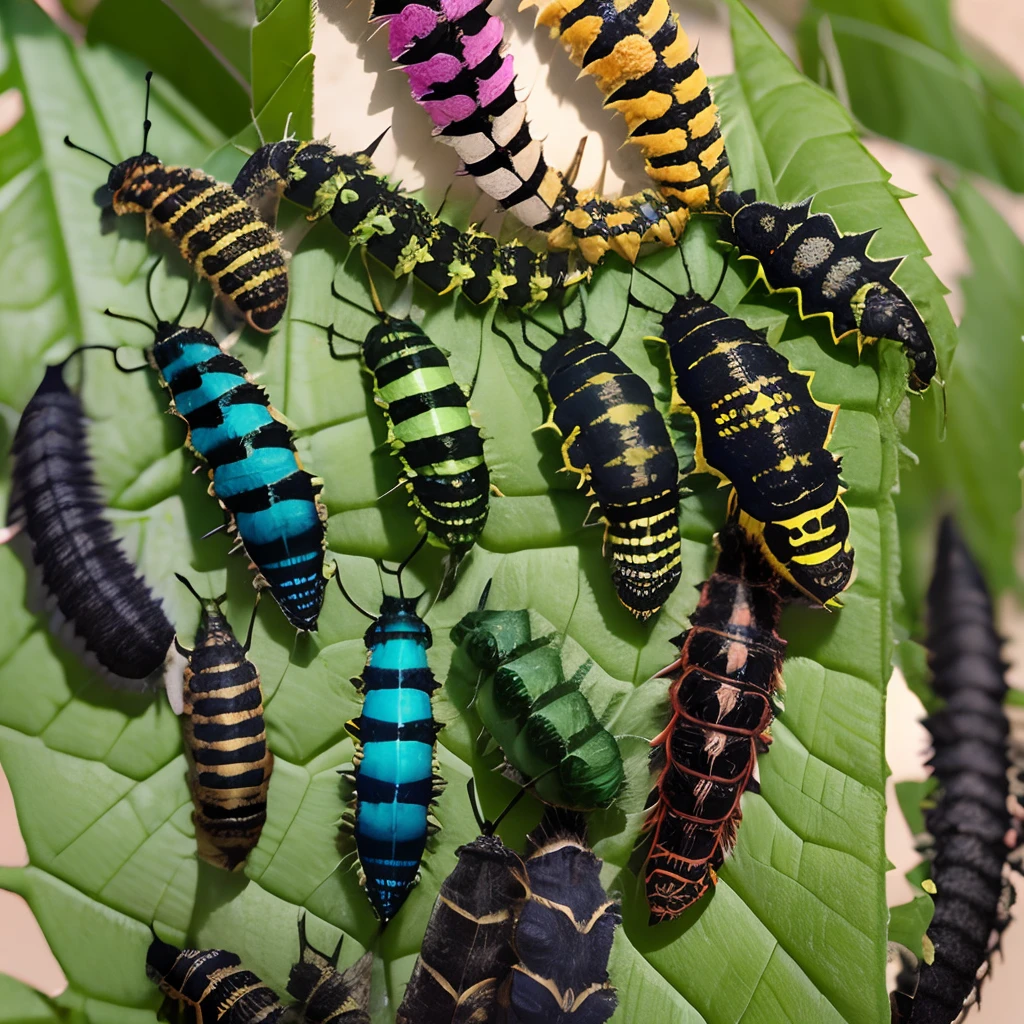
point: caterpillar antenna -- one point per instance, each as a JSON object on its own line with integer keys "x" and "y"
{"x": 345, "y": 594}
{"x": 88, "y": 152}
{"x": 146, "y": 123}
{"x": 402, "y": 565}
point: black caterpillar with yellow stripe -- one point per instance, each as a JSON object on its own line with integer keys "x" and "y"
{"x": 217, "y": 233}
{"x": 642, "y": 61}
{"x": 832, "y": 274}
{"x": 760, "y": 430}
{"x": 402, "y": 234}
{"x": 226, "y": 739}
{"x": 617, "y": 442}
{"x": 324, "y": 994}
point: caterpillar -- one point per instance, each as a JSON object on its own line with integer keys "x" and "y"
{"x": 55, "y": 501}
{"x": 226, "y": 740}
{"x": 564, "y": 932}
{"x": 729, "y": 666}
{"x": 760, "y": 429}
{"x": 431, "y": 432}
{"x": 393, "y": 767}
{"x": 969, "y": 821}
{"x": 451, "y": 52}
{"x": 255, "y": 474}
{"x": 324, "y": 994}
{"x": 641, "y": 60}
{"x": 406, "y": 238}
{"x": 466, "y": 955}
{"x": 617, "y": 443}
{"x": 831, "y": 273}
{"x": 217, "y": 233}
{"x": 210, "y": 985}
{"x": 542, "y": 721}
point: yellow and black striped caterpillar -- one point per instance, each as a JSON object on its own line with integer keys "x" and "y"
{"x": 641, "y": 59}
{"x": 217, "y": 232}
{"x": 226, "y": 739}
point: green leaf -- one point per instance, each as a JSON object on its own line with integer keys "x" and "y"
{"x": 796, "y": 928}
{"x": 909, "y": 921}
{"x": 906, "y": 74}
{"x": 20, "y": 1004}
{"x": 970, "y": 460}
{"x": 911, "y": 797}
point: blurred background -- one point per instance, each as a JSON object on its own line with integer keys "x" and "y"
{"x": 939, "y": 91}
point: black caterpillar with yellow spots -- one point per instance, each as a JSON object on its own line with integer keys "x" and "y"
{"x": 832, "y": 274}
{"x": 642, "y": 61}
{"x": 760, "y": 430}
{"x": 403, "y": 235}
{"x": 324, "y": 994}
{"x": 226, "y": 739}
{"x": 617, "y": 442}
{"x": 217, "y": 233}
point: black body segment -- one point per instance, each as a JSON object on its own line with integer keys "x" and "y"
{"x": 617, "y": 442}
{"x": 564, "y": 932}
{"x": 324, "y": 994}
{"x": 255, "y": 473}
{"x": 210, "y": 985}
{"x": 760, "y": 429}
{"x": 55, "y": 500}
{"x": 226, "y": 739}
{"x": 467, "y": 953}
{"x": 729, "y": 666}
{"x": 832, "y": 274}
{"x": 970, "y": 820}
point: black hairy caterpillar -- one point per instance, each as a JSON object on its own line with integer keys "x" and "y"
{"x": 970, "y": 822}
{"x": 832, "y": 274}
{"x": 642, "y": 61}
{"x": 729, "y": 665}
{"x": 218, "y": 234}
{"x": 55, "y": 500}
{"x": 564, "y": 932}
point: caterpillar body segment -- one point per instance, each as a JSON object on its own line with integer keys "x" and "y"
{"x": 324, "y": 994}
{"x": 564, "y": 932}
{"x": 452, "y": 55}
{"x": 729, "y": 666}
{"x": 617, "y": 443}
{"x": 225, "y": 735}
{"x": 432, "y": 434}
{"x": 540, "y": 718}
{"x": 832, "y": 275}
{"x": 55, "y": 501}
{"x": 760, "y": 429}
{"x": 642, "y": 61}
{"x": 394, "y": 776}
{"x": 255, "y": 473}
{"x": 211, "y": 985}
{"x": 467, "y": 953}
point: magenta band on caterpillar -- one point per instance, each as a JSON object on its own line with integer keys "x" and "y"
{"x": 451, "y": 52}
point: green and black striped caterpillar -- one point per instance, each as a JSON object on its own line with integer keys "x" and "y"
{"x": 832, "y": 275}
{"x": 402, "y": 234}
{"x": 218, "y": 234}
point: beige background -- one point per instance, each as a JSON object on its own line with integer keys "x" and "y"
{"x": 352, "y": 63}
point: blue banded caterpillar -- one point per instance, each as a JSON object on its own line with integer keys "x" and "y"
{"x": 969, "y": 820}
{"x": 729, "y": 666}
{"x": 617, "y": 443}
{"x": 564, "y": 931}
{"x": 324, "y": 994}
{"x": 467, "y": 954}
{"x": 407, "y": 239}
{"x": 217, "y": 233}
{"x": 760, "y": 429}
{"x": 642, "y": 61}
{"x": 832, "y": 275}
{"x": 226, "y": 740}
{"x": 55, "y": 501}
{"x": 211, "y": 985}
{"x": 273, "y": 503}
{"x": 540, "y": 717}
{"x": 430, "y": 430}
{"x": 394, "y": 771}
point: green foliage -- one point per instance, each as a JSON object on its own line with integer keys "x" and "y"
{"x": 796, "y": 928}
{"x": 907, "y": 74}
